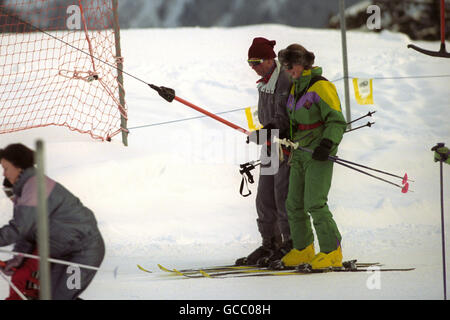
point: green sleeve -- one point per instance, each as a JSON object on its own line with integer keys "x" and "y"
{"x": 330, "y": 111}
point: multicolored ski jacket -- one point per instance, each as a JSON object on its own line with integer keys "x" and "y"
{"x": 315, "y": 110}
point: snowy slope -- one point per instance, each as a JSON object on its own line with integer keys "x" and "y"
{"x": 171, "y": 197}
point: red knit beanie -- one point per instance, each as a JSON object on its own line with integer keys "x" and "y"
{"x": 262, "y": 48}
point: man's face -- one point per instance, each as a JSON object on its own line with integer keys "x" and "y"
{"x": 10, "y": 171}
{"x": 263, "y": 67}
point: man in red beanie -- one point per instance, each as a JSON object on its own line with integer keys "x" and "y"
{"x": 262, "y": 49}
{"x": 273, "y": 89}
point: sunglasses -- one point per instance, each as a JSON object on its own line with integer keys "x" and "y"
{"x": 254, "y": 62}
{"x": 287, "y": 66}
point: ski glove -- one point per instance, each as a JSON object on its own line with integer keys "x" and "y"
{"x": 322, "y": 151}
{"x": 12, "y": 264}
{"x": 441, "y": 153}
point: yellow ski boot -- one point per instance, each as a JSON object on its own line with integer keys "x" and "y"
{"x": 327, "y": 260}
{"x": 295, "y": 257}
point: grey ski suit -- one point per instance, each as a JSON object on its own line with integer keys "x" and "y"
{"x": 73, "y": 232}
{"x": 272, "y": 189}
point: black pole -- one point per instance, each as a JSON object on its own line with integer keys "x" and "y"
{"x": 336, "y": 158}
{"x": 405, "y": 189}
{"x": 368, "y": 124}
{"x": 348, "y": 164}
{"x": 442, "y": 155}
{"x": 369, "y": 114}
{"x": 444, "y": 266}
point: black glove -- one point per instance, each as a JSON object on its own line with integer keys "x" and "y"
{"x": 12, "y": 265}
{"x": 322, "y": 151}
{"x": 441, "y": 153}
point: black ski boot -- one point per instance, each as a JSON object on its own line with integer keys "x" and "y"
{"x": 264, "y": 251}
{"x": 279, "y": 253}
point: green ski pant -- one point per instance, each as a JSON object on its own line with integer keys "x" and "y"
{"x": 309, "y": 184}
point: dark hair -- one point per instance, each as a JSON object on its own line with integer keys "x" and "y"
{"x": 19, "y": 155}
{"x": 296, "y": 54}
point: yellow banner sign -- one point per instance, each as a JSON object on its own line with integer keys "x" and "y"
{"x": 363, "y": 90}
{"x": 252, "y": 118}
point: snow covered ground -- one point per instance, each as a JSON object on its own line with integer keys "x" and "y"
{"x": 172, "y": 196}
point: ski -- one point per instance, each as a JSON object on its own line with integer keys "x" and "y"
{"x": 143, "y": 269}
{"x": 208, "y": 269}
{"x": 349, "y": 266}
{"x": 324, "y": 271}
{"x": 231, "y": 268}
{"x": 236, "y": 270}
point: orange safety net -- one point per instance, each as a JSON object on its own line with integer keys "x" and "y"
{"x": 52, "y": 70}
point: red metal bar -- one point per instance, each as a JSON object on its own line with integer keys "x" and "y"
{"x": 216, "y": 117}
{"x": 209, "y": 114}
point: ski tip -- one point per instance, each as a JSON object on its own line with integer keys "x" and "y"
{"x": 143, "y": 269}
{"x": 205, "y": 274}
{"x": 405, "y": 188}
{"x": 178, "y": 272}
{"x": 163, "y": 268}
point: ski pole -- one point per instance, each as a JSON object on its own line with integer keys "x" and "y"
{"x": 347, "y": 163}
{"x": 368, "y": 124}
{"x": 369, "y": 114}
{"x": 404, "y": 188}
{"x": 335, "y": 158}
{"x": 404, "y": 178}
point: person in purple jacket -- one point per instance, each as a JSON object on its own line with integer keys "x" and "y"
{"x": 73, "y": 232}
